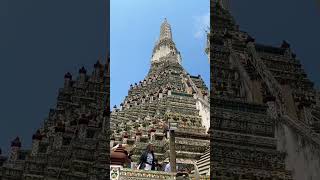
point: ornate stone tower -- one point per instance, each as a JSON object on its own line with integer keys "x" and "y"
{"x": 74, "y": 141}
{"x": 165, "y": 46}
{"x": 167, "y": 94}
{"x": 264, "y": 116}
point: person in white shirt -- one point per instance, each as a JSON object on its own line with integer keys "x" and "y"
{"x": 167, "y": 168}
{"x": 147, "y": 159}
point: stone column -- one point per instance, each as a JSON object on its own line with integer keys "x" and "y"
{"x": 125, "y": 139}
{"x": 67, "y": 80}
{"x": 138, "y": 136}
{"x": 152, "y": 134}
{"x": 82, "y": 75}
{"x": 35, "y": 147}
{"x": 112, "y": 142}
{"x": 169, "y": 91}
{"x": 15, "y": 147}
{"x": 36, "y": 138}
{"x": 172, "y": 151}
{"x": 160, "y": 94}
{"x": 14, "y": 153}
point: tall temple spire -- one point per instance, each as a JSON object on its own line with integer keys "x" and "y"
{"x": 165, "y": 31}
{"x": 165, "y": 49}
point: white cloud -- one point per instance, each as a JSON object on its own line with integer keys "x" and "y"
{"x": 201, "y": 24}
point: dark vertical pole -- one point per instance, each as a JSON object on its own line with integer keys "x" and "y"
{"x": 172, "y": 151}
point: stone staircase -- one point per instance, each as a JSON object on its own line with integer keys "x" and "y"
{"x": 203, "y": 163}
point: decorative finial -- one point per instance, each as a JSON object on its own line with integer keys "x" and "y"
{"x": 285, "y": 44}
{"x": 165, "y": 30}
{"x": 68, "y": 75}
{"x": 82, "y": 70}
{"x": 223, "y": 3}
{"x": 16, "y": 142}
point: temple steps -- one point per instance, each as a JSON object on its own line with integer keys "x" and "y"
{"x": 203, "y": 163}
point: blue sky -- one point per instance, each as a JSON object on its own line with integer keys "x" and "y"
{"x": 135, "y": 26}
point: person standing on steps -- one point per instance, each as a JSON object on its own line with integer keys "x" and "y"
{"x": 147, "y": 159}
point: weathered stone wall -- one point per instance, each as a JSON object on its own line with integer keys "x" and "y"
{"x": 271, "y": 76}
{"x": 204, "y": 112}
{"x": 303, "y": 157}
